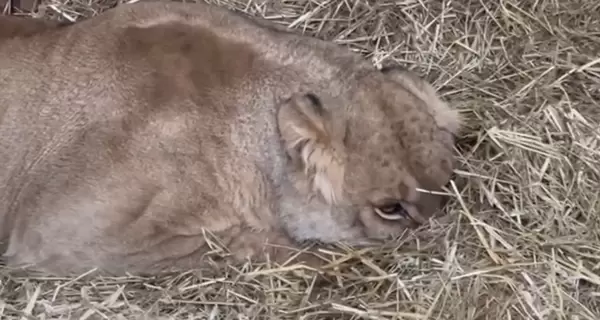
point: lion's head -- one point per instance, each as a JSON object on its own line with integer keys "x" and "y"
{"x": 366, "y": 159}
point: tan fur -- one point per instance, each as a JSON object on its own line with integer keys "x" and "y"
{"x": 127, "y": 138}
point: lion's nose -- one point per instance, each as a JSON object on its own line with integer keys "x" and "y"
{"x": 431, "y": 204}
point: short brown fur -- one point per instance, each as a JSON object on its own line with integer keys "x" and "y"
{"x": 126, "y": 138}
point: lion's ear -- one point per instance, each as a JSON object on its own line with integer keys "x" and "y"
{"x": 445, "y": 117}
{"x": 306, "y": 129}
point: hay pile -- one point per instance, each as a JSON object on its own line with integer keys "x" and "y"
{"x": 523, "y": 236}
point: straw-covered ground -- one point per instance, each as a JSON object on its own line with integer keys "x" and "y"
{"x": 522, "y": 239}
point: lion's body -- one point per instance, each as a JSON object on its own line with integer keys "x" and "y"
{"x": 126, "y": 137}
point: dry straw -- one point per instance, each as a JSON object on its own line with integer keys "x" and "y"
{"x": 521, "y": 240}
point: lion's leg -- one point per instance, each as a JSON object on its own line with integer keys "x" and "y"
{"x": 135, "y": 231}
{"x": 235, "y": 245}
{"x": 168, "y": 252}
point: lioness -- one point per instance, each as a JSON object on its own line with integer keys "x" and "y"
{"x": 128, "y": 138}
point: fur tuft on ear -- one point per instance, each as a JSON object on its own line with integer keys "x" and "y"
{"x": 445, "y": 116}
{"x": 308, "y": 137}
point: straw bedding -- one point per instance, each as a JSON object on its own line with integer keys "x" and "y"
{"x": 522, "y": 236}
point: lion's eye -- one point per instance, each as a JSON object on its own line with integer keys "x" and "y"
{"x": 394, "y": 211}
